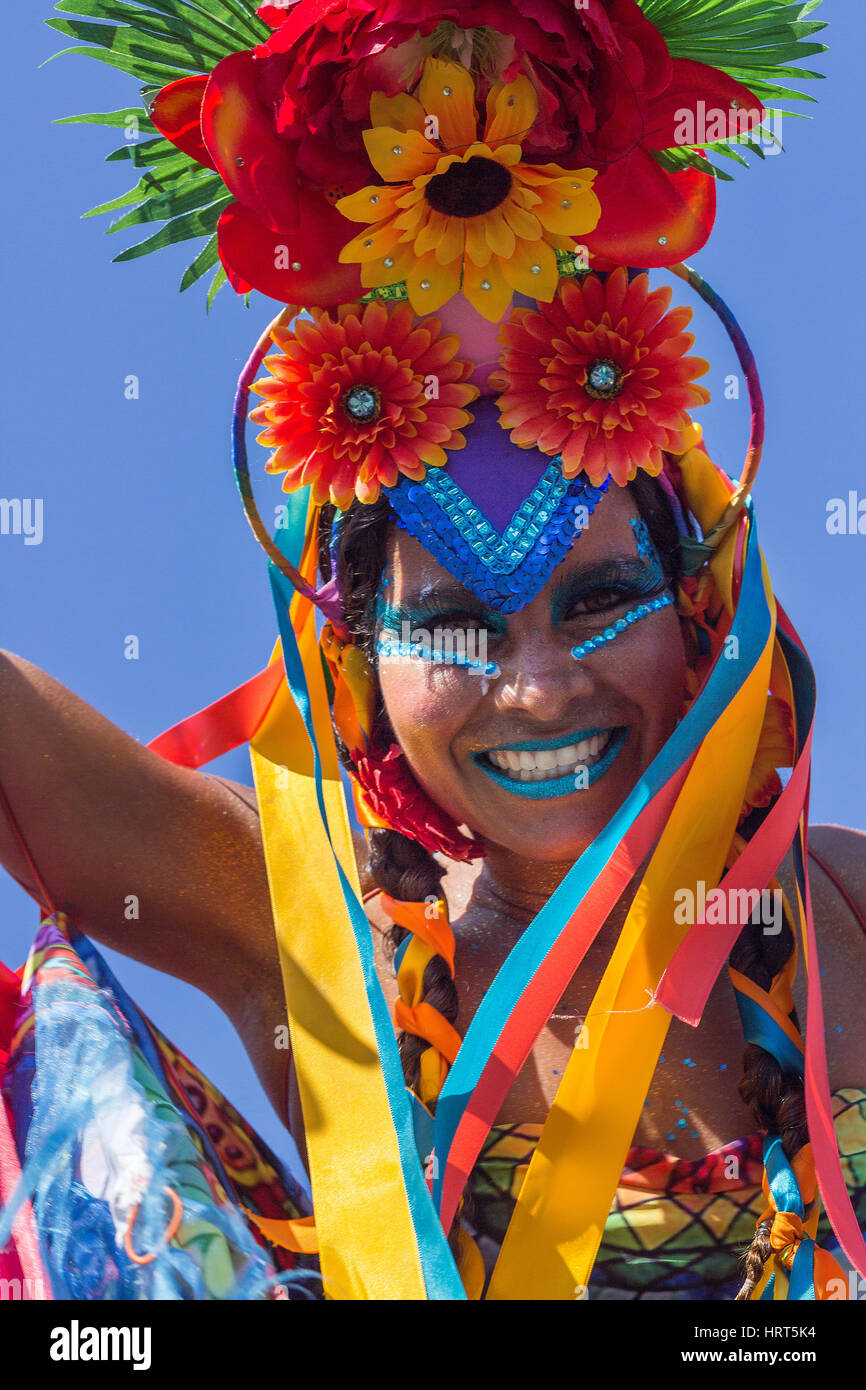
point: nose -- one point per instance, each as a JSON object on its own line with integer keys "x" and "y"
{"x": 540, "y": 677}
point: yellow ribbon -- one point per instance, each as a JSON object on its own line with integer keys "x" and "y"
{"x": 367, "y": 1245}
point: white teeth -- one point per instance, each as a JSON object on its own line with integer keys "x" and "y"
{"x": 524, "y": 766}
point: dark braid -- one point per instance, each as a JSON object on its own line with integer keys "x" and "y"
{"x": 405, "y": 870}
{"x": 398, "y": 865}
{"x": 775, "y": 1097}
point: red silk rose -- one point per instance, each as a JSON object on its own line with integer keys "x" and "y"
{"x": 283, "y": 124}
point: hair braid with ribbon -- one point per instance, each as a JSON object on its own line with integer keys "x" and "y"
{"x": 774, "y": 1095}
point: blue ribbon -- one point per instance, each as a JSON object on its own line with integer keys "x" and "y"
{"x": 763, "y": 1030}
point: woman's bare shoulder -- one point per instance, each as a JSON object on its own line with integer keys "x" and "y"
{"x": 837, "y": 877}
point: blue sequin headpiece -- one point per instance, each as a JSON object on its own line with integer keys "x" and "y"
{"x": 499, "y": 518}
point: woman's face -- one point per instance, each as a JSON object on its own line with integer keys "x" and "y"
{"x": 581, "y": 731}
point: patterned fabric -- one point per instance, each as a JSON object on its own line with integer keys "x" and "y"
{"x": 134, "y": 1119}
{"x": 677, "y": 1226}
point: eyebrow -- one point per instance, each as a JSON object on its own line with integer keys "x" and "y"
{"x": 614, "y": 567}
{"x": 453, "y": 595}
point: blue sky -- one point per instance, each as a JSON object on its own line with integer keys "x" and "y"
{"x": 143, "y": 529}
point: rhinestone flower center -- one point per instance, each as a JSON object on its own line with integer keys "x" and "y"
{"x": 469, "y": 189}
{"x": 362, "y": 404}
{"x": 604, "y": 379}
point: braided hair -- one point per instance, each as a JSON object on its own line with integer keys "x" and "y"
{"x": 775, "y": 1097}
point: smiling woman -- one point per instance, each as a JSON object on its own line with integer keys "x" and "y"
{"x": 529, "y": 615}
{"x": 605, "y": 717}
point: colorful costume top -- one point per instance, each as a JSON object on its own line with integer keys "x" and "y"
{"x": 458, "y": 213}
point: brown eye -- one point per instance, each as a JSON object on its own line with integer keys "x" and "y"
{"x": 598, "y": 602}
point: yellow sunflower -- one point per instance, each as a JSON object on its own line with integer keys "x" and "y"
{"x": 458, "y": 212}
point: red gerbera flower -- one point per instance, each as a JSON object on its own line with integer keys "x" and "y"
{"x": 360, "y": 395}
{"x": 600, "y": 377}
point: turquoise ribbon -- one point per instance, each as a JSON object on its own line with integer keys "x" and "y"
{"x": 763, "y": 1030}
{"x": 785, "y": 1190}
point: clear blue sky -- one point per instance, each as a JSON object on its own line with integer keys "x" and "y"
{"x": 143, "y": 529}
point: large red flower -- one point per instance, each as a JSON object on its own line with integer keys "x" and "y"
{"x": 358, "y": 397}
{"x": 283, "y": 123}
{"x": 600, "y": 377}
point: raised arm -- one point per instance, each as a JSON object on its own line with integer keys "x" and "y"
{"x": 161, "y": 863}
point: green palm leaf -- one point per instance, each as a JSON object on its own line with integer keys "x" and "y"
{"x": 216, "y": 285}
{"x": 202, "y": 222}
{"x": 206, "y": 258}
{"x": 157, "y": 42}
{"x": 112, "y": 118}
{"x": 756, "y": 42}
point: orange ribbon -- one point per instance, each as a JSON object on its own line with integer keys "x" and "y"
{"x": 428, "y": 922}
{"x": 298, "y": 1235}
{"x": 354, "y": 699}
{"x": 426, "y": 1022}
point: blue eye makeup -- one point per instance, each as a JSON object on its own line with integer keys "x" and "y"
{"x": 449, "y": 626}
{"x": 644, "y": 580}
{"x": 434, "y": 628}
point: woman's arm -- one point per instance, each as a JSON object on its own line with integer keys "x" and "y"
{"x": 159, "y": 862}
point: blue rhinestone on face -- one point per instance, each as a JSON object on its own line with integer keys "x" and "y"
{"x": 643, "y": 610}
{"x": 604, "y": 379}
{"x": 362, "y": 404}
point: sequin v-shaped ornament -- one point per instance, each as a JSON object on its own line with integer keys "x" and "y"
{"x": 499, "y": 518}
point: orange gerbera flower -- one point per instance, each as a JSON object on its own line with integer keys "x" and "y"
{"x": 359, "y": 395}
{"x": 458, "y": 212}
{"x": 600, "y": 377}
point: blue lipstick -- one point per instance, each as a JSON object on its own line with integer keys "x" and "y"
{"x": 554, "y": 786}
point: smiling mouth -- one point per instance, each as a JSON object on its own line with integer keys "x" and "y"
{"x": 525, "y": 766}
{"x": 554, "y": 769}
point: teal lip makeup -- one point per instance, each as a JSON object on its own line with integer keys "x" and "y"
{"x": 581, "y": 759}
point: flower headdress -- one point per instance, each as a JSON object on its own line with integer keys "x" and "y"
{"x": 515, "y": 175}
